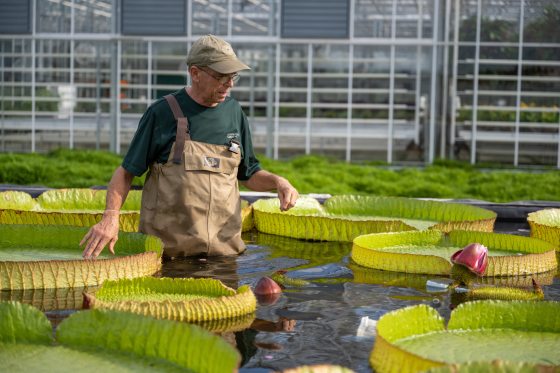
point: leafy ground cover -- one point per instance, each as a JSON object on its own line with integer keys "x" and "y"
{"x": 310, "y": 174}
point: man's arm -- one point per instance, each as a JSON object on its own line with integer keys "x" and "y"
{"x": 264, "y": 181}
{"x": 107, "y": 230}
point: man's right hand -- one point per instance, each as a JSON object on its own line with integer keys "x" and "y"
{"x": 103, "y": 233}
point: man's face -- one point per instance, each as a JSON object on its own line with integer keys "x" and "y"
{"x": 212, "y": 86}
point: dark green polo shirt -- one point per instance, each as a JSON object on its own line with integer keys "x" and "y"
{"x": 213, "y": 125}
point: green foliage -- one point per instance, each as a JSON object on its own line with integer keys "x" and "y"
{"x": 509, "y": 116}
{"x": 60, "y": 169}
{"x": 46, "y": 100}
{"x": 310, "y": 174}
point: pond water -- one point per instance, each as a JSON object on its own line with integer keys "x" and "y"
{"x": 329, "y": 321}
{"x": 332, "y": 320}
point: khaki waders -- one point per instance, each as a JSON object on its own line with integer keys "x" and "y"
{"x": 192, "y": 201}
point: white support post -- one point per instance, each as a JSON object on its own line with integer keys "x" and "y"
{"x": 309, "y": 108}
{"x": 433, "y": 86}
{"x": 453, "y": 92}
{"x": 390, "y": 127}
{"x": 519, "y": 83}
{"x": 475, "y": 82}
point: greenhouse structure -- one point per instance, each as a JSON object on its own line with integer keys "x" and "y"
{"x": 398, "y": 81}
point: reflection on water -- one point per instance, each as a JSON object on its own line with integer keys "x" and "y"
{"x": 330, "y": 320}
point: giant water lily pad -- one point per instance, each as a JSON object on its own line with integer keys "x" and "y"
{"x": 107, "y": 341}
{"x": 207, "y": 300}
{"x": 246, "y": 216}
{"x": 545, "y": 225}
{"x": 342, "y": 218}
{"x": 429, "y": 252}
{"x": 416, "y": 339}
{"x": 47, "y": 299}
{"x": 496, "y": 366}
{"x": 46, "y": 257}
{"x": 78, "y": 207}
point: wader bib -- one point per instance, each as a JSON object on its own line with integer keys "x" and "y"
{"x": 192, "y": 201}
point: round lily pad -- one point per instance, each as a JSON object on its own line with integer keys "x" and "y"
{"x": 101, "y": 340}
{"x": 77, "y": 207}
{"x": 429, "y": 252}
{"x": 180, "y": 299}
{"x": 47, "y": 299}
{"x": 342, "y": 218}
{"x": 416, "y": 339}
{"x": 545, "y": 225}
{"x": 46, "y": 257}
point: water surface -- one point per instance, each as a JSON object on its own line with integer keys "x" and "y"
{"x": 330, "y": 320}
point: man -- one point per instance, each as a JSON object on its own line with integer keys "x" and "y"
{"x": 196, "y": 144}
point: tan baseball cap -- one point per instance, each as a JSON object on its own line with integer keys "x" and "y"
{"x": 216, "y": 54}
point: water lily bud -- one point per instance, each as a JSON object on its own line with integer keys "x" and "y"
{"x": 268, "y": 299}
{"x": 266, "y": 286}
{"x": 473, "y": 256}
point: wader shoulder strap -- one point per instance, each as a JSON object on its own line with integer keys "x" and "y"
{"x": 182, "y": 128}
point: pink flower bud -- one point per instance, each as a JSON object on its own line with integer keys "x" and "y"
{"x": 473, "y": 256}
{"x": 266, "y": 286}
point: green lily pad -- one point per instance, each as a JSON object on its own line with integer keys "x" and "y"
{"x": 545, "y": 225}
{"x": 480, "y": 331}
{"x": 429, "y": 252}
{"x": 342, "y": 218}
{"x": 96, "y": 341}
{"x": 78, "y": 207}
{"x": 46, "y": 257}
{"x": 47, "y": 299}
{"x": 496, "y": 366}
{"x": 17, "y": 200}
{"x": 180, "y": 299}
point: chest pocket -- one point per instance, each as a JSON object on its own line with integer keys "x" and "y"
{"x": 210, "y": 157}
{"x": 211, "y": 163}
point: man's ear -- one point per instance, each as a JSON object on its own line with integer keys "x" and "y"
{"x": 193, "y": 72}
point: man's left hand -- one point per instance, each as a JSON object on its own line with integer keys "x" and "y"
{"x": 287, "y": 194}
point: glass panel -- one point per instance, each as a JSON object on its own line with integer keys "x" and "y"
{"x": 414, "y": 17}
{"x": 500, "y": 23}
{"x": 16, "y": 77}
{"x": 209, "y": 17}
{"x": 541, "y": 21}
{"x": 253, "y": 17}
{"x": 498, "y": 52}
{"x": 539, "y": 107}
{"x": 92, "y": 77}
{"x": 169, "y": 69}
{"x": 53, "y": 61}
{"x": 542, "y": 53}
{"x": 467, "y": 23}
{"x": 329, "y": 98}
{"x": 372, "y": 18}
{"x": 92, "y": 16}
{"x": 53, "y": 16}
{"x": 133, "y": 81}
{"x": 252, "y": 89}
{"x": 293, "y": 99}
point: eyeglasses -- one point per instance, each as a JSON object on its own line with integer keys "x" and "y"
{"x": 222, "y": 78}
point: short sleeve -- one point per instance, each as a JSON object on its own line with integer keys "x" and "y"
{"x": 143, "y": 148}
{"x": 249, "y": 163}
